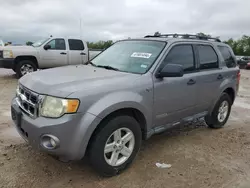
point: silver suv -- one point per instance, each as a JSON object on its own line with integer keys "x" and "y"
{"x": 131, "y": 91}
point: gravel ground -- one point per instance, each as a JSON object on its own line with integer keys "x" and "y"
{"x": 200, "y": 157}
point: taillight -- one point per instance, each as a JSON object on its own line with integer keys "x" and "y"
{"x": 238, "y": 80}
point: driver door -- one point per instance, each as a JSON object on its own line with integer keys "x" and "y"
{"x": 55, "y": 56}
{"x": 175, "y": 97}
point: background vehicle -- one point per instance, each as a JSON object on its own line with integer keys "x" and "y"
{"x": 46, "y": 53}
{"x": 131, "y": 91}
{"x": 243, "y": 62}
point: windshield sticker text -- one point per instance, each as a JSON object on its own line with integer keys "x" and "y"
{"x": 141, "y": 55}
{"x": 144, "y": 66}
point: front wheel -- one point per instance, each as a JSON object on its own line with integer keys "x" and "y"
{"x": 115, "y": 145}
{"x": 24, "y": 67}
{"x": 220, "y": 113}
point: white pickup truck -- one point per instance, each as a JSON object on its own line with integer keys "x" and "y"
{"x": 46, "y": 53}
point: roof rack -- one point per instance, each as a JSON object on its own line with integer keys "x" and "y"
{"x": 184, "y": 36}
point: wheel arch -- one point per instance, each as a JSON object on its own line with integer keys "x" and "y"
{"x": 21, "y": 58}
{"x": 230, "y": 91}
{"x": 130, "y": 111}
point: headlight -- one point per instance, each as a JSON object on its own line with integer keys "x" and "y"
{"x": 17, "y": 89}
{"x": 56, "y": 107}
{"x": 7, "y": 54}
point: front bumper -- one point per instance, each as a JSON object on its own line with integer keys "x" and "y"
{"x": 72, "y": 130}
{"x": 6, "y": 63}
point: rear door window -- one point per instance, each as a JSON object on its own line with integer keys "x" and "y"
{"x": 227, "y": 56}
{"x": 76, "y": 44}
{"x": 208, "y": 57}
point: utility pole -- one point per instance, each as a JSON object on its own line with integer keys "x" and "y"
{"x": 80, "y": 27}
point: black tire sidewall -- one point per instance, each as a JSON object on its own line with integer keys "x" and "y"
{"x": 96, "y": 152}
{"x": 212, "y": 121}
{"x": 23, "y": 62}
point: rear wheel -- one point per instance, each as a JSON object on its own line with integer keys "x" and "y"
{"x": 220, "y": 113}
{"x": 24, "y": 67}
{"x": 115, "y": 145}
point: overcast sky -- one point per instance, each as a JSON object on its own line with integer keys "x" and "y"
{"x": 23, "y": 20}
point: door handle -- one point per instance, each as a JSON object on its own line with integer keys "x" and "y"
{"x": 220, "y": 77}
{"x": 63, "y": 53}
{"x": 191, "y": 82}
{"x": 82, "y": 53}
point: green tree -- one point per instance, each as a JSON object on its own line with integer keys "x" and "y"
{"x": 100, "y": 44}
{"x": 203, "y": 34}
{"x": 241, "y": 46}
{"x": 157, "y": 33}
{"x": 29, "y": 43}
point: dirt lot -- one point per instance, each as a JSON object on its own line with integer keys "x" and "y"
{"x": 200, "y": 157}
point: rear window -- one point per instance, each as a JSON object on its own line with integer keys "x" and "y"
{"x": 208, "y": 57}
{"x": 227, "y": 56}
{"x": 76, "y": 44}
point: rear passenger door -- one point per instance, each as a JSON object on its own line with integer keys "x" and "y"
{"x": 210, "y": 76}
{"x": 77, "y": 54}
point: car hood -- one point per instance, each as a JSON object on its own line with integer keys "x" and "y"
{"x": 20, "y": 48}
{"x": 63, "y": 81}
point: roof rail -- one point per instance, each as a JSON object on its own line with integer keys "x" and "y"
{"x": 184, "y": 36}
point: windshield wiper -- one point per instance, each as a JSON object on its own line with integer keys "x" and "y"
{"x": 102, "y": 66}
{"x": 108, "y": 67}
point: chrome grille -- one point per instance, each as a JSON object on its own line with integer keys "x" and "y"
{"x": 28, "y": 101}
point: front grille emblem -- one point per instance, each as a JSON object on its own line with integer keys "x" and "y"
{"x": 23, "y": 97}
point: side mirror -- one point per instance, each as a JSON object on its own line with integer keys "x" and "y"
{"x": 171, "y": 70}
{"x": 46, "y": 47}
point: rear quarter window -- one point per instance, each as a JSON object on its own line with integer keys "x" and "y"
{"x": 228, "y": 57}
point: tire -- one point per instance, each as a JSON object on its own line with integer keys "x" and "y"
{"x": 23, "y": 64}
{"x": 14, "y": 69}
{"x": 215, "y": 120}
{"x": 97, "y": 156}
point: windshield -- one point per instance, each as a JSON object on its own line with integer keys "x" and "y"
{"x": 40, "y": 42}
{"x": 130, "y": 56}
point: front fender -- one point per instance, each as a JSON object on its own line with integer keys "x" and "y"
{"x": 105, "y": 106}
{"x": 120, "y": 100}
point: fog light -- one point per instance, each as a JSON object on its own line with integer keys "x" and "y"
{"x": 53, "y": 142}
{"x": 50, "y": 142}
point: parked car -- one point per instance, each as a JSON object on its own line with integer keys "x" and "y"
{"x": 243, "y": 62}
{"x": 46, "y": 53}
{"x": 131, "y": 91}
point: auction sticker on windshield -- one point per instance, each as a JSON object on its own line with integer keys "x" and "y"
{"x": 144, "y": 66}
{"x": 141, "y": 55}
